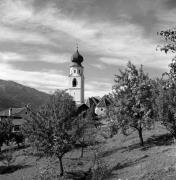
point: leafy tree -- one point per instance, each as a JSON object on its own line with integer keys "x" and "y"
{"x": 85, "y": 129}
{"x": 132, "y": 106}
{"x": 169, "y": 40}
{"x": 8, "y": 157}
{"x": 18, "y": 138}
{"x": 167, "y": 99}
{"x": 5, "y": 131}
{"x": 50, "y": 129}
{"x": 81, "y": 128}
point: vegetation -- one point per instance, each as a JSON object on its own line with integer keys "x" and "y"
{"x": 133, "y": 100}
{"x": 50, "y": 130}
{"x": 5, "y": 131}
{"x": 169, "y": 40}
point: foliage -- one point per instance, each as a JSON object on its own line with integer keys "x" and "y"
{"x": 18, "y": 138}
{"x": 133, "y": 99}
{"x": 8, "y": 157}
{"x": 169, "y": 38}
{"x": 48, "y": 172}
{"x": 166, "y": 101}
{"x": 50, "y": 129}
{"x": 5, "y": 131}
{"x": 85, "y": 129}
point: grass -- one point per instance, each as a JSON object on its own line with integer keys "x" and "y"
{"x": 123, "y": 156}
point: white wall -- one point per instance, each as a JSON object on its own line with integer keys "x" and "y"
{"x": 78, "y": 91}
{"x": 101, "y": 111}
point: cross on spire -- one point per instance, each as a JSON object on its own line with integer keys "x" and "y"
{"x": 77, "y": 45}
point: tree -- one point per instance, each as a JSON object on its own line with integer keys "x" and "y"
{"x": 50, "y": 129}
{"x": 166, "y": 100}
{"x": 132, "y": 107}
{"x": 85, "y": 129}
{"x": 18, "y": 138}
{"x": 5, "y": 131}
{"x": 169, "y": 40}
{"x": 81, "y": 127}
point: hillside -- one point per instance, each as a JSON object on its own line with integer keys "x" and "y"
{"x": 123, "y": 157}
{"x": 13, "y": 94}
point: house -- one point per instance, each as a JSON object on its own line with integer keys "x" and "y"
{"x": 17, "y": 115}
{"x": 102, "y": 107}
{"x": 92, "y": 102}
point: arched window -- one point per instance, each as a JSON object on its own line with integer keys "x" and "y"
{"x": 74, "y": 82}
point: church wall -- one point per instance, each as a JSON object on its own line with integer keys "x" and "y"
{"x": 76, "y": 90}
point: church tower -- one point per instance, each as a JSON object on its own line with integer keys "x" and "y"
{"x": 76, "y": 78}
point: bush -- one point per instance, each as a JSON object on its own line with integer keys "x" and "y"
{"x": 8, "y": 157}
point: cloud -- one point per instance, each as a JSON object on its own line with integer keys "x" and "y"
{"x": 114, "y": 61}
{"x": 170, "y": 4}
{"x": 10, "y": 34}
{"x": 11, "y": 56}
{"x": 99, "y": 66}
{"x": 43, "y": 57}
{"x": 15, "y": 10}
{"x": 54, "y": 58}
{"x": 97, "y": 88}
{"x": 45, "y": 81}
{"x": 37, "y": 35}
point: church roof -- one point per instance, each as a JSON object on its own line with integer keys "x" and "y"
{"x": 104, "y": 102}
{"x": 92, "y": 101}
{"x": 77, "y": 58}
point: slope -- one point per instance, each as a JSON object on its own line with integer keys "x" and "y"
{"x": 13, "y": 94}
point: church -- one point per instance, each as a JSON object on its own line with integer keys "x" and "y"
{"x": 76, "y": 88}
{"x": 76, "y": 78}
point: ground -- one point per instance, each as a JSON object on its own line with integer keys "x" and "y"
{"x": 122, "y": 155}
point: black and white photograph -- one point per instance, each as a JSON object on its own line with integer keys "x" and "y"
{"x": 87, "y": 89}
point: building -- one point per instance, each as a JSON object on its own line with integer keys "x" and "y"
{"x": 102, "y": 107}
{"x": 76, "y": 88}
{"x": 17, "y": 115}
{"x": 76, "y": 78}
{"x": 92, "y": 102}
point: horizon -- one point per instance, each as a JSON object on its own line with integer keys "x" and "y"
{"x": 38, "y": 38}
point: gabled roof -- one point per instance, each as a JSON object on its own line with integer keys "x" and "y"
{"x": 14, "y": 111}
{"x": 104, "y": 102}
{"x": 92, "y": 101}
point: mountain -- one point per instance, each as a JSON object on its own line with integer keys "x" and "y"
{"x": 13, "y": 94}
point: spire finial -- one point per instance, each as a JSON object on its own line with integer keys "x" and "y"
{"x": 77, "y": 45}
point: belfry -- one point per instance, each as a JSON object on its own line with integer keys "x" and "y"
{"x": 76, "y": 78}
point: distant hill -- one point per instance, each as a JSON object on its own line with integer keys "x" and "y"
{"x": 13, "y": 94}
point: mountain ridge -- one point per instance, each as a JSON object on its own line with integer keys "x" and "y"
{"x": 13, "y": 94}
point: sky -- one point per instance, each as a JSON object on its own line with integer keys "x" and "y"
{"x": 38, "y": 38}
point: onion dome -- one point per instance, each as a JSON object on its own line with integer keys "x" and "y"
{"x": 77, "y": 58}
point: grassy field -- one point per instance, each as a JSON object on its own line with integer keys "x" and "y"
{"x": 122, "y": 155}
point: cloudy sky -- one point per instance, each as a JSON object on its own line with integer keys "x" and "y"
{"x": 38, "y": 37}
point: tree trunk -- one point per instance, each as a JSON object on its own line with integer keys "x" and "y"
{"x": 140, "y": 136}
{"x": 82, "y": 151}
{"x": 61, "y": 167}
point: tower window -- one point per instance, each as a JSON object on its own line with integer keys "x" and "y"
{"x": 79, "y": 71}
{"x": 74, "y": 71}
{"x": 74, "y": 82}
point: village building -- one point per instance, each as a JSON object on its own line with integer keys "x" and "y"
{"x": 17, "y": 115}
{"x": 102, "y": 107}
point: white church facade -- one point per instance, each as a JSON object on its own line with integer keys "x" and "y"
{"x": 76, "y": 78}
